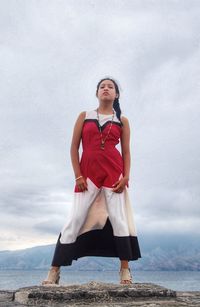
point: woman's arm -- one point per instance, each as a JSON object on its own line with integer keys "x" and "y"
{"x": 125, "y": 146}
{"x": 74, "y": 151}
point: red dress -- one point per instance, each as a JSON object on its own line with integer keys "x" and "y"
{"x": 101, "y": 221}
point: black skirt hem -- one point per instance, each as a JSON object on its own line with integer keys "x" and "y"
{"x": 99, "y": 243}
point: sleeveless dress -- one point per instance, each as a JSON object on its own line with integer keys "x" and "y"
{"x": 101, "y": 221}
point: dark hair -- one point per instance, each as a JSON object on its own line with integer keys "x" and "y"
{"x": 116, "y": 105}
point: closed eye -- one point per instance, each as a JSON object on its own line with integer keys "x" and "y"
{"x": 108, "y": 86}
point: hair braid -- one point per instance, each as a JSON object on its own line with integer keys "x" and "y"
{"x": 116, "y": 107}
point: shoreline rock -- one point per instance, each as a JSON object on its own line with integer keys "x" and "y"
{"x": 99, "y": 294}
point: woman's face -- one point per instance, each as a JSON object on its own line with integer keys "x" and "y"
{"x": 107, "y": 90}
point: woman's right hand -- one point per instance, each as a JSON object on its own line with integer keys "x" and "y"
{"x": 81, "y": 184}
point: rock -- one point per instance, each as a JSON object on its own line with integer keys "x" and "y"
{"x": 99, "y": 294}
{"x": 6, "y": 298}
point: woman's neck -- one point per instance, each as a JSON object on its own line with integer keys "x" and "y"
{"x": 105, "y": 112}
{"x": 105, "y": 109}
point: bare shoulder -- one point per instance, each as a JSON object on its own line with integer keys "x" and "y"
{"x": 80, "y": 120}
{"x": 124, "y": 120}
{"x": 81, "y": 116}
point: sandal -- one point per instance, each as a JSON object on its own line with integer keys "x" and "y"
{"x": 125, "y": 276}
{"x": 53, "y": 277}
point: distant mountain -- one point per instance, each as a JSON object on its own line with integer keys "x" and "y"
{"x": 160, "y": 253}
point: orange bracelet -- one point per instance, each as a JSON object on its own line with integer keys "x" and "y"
{"x": 78, "y": 177}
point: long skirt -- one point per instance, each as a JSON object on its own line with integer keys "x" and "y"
{"x": 101, "y": 223}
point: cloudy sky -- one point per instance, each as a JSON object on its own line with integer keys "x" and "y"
{"x": 52, "y": 55}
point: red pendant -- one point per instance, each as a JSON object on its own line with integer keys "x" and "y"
{"x": 102, "y": 145}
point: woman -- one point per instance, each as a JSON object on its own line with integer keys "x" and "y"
{"x": 101, "y": 220}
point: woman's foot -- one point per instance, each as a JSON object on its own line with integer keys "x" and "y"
{"x": 52, "y": 277}
{"x": 125, "y": 276}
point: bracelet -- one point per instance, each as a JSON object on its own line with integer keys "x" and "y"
{"x": 78, "y": 177}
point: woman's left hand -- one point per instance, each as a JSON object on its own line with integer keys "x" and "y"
{"x": 120, "y": 185}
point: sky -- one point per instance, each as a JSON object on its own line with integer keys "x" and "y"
{"x": 52, "y": 55}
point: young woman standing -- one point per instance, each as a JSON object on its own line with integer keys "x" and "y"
{"x": 101, "y": 221}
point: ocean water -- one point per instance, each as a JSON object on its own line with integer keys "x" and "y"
{"x": 180, "y": 281}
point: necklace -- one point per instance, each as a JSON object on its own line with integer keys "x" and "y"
{"x": 102, "y": 146}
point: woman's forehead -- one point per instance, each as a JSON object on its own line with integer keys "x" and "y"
{"x": 107, "y": 82}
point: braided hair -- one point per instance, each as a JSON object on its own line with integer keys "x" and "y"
{"x": 116, "y": 105}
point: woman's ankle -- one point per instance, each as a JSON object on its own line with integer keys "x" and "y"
{"x": 124, "y": 264}
{"x": 55, "y": 268}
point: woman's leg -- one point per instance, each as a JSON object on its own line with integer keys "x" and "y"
{"x": 56, "y": 268}
{"x": 53, "y": 276}
{"x": 124, "y": 264}
{"x": 70, "y": 231}
{"x": 125, "y": 273}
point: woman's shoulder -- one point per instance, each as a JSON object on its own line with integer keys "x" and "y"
{"x": 124, "y": 119}
{"x": 88, "y": 114}
{"x": 82, "y": 115}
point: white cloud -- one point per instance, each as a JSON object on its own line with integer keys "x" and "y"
{"x": 52, "y": 54}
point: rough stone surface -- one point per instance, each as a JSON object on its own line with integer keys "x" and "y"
{"x": 99, "y": 295}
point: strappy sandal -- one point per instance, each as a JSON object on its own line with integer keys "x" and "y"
{"x": 53, "y": 277}
{"x": 125, "y": 276}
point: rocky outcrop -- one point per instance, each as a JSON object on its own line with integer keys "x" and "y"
{"x": 99, "y": 294}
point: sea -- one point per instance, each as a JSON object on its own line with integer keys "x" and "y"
{"x": 175, "y": 280}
